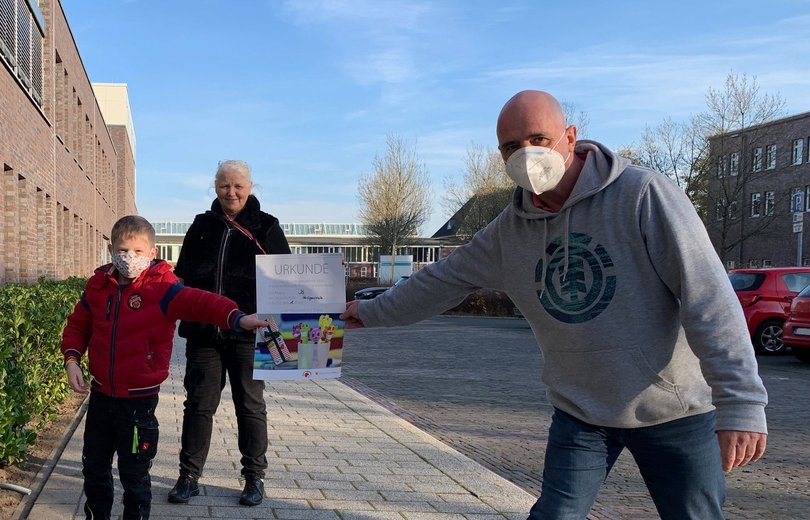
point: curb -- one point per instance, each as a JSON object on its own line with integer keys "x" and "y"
{"x": 25, "y": 505}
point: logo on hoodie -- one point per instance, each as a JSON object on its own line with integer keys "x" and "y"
{"x": 575, "y": 283}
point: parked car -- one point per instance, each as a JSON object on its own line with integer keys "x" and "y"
{"x": 796, "y": 332}
{"x": 372, "y": 292}
{"x": 765, "y": 295}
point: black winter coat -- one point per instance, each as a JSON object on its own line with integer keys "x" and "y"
{"x": 219, "y": 258}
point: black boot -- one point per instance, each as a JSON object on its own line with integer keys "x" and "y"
{"x": 185, "y": 488}
{"x": 253, "y": 494}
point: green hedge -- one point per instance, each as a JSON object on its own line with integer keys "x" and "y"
{"x": 32, "y": 378}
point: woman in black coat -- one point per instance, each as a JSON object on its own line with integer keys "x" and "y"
{"x": 219, "y": 255}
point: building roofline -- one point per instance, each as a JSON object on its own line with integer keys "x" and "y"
{"x": 761, "y": 125}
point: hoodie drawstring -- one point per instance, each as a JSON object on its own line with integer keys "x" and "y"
{"x": 565, "y": 241}
{"x": 566, "y": 224}
{"x": 545, "y": 261}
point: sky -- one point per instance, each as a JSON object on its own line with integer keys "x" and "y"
{"x": 307, "y": 91}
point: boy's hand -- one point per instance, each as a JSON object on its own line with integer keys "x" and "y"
{"x": 252, "y": 322}
{"x": 76, "y": 378}
{"x": 352, "y": 315}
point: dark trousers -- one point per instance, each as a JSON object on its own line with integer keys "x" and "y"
{"x": 128, "y": 427}
{"x": 206, "y": 367}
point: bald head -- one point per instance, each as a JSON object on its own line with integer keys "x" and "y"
{"x": 532, "y": 100}
{"x": 531, "y": 118}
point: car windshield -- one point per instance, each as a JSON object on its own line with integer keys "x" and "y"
{"x": 746, "y": 281}
{"x": 796, "y": 281}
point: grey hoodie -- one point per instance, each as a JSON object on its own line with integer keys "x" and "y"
{"x": 631, "y": 306}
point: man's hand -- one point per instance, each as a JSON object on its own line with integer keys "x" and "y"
{"x": 352, "y": 315}
{"x": 76, "y": 378}
{"x": 252, "y": 322}
{"x": 740, "y": 448}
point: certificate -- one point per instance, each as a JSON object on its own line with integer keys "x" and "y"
{"x": 302, "y": 296}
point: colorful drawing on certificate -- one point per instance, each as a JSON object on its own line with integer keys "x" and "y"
{"x": 299, "y": 346}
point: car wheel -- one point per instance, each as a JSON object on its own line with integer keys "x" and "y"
{"x": 802, "y": 355}
{"x": 768, "y": 338}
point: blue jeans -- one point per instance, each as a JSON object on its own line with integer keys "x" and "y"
{"x": 679, "y": 460}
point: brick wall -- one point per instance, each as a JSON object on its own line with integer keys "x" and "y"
{"x": 63, "y": 186}
{"x": 766, "y": 237}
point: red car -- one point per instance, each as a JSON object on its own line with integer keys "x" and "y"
{"x": 797, "y": 327}
{"x": 765, "y": 296}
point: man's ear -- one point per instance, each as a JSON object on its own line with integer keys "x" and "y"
{"x": 571, "y": 135}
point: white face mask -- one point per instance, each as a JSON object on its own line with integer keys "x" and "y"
{"x": 130, "y": 264}
{"x": 537, "y": 168}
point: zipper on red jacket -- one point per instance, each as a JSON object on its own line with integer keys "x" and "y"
{"x": 112, "y": 340}
{"x": 109, "y": 306}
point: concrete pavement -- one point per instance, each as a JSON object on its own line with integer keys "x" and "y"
{"x": 334, "y": 454}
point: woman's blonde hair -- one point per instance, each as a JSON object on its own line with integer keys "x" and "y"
{"x": 240, "y": 167}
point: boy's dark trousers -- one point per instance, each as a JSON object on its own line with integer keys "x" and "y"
{"x": 128, "y": 427}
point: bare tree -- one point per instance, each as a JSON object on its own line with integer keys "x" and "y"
{"x": 710, "y": 157}
{"x": 578, "y": 119}
{"x": 483, "y": 193}
{"x": 395, "y": 198}
{"x": 731, "y": 124}
{"x": 676, "y": 149}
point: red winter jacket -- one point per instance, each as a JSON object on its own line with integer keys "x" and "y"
{"x": 127, "y": 331}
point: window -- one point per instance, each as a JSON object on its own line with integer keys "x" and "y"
{"x": 730, "y": 264}
{"x": 753, "y": 264}
{"x": 798, "y": 151}
{"x": 732, "y": 210}
{"x": 807, "y": 198}
{"x": 770, "y": 153}
{"x": 769, "y": 202}
{"x": 756, "y": 204}
{"x": 718, "y": 210}
{"x": 735, "y": 163}
{"x": 721, "y": 166}
{"x": 746, "y": 281}
{"x": 757, "y": 164}
{"x": 796, "y": 282}
{"x": 767, "y": 263}
{"x": 21, "y": 44}
{"x": 796, "y": 202}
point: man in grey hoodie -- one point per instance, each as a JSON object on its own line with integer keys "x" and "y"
{"x": 590, "y": 248}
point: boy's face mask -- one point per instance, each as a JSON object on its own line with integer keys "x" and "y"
{"x": 130, "y": 264}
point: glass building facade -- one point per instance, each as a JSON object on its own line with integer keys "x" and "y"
{"x": 307, "y": 238}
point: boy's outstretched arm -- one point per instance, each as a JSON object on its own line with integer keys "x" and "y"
{"x": 191, "y": 304}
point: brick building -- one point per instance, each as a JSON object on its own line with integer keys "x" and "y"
{"x": 67, "y": 175}
{"x": 757, "y": 175}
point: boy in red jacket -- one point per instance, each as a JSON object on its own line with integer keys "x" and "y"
{"x": 125, "y": 322}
